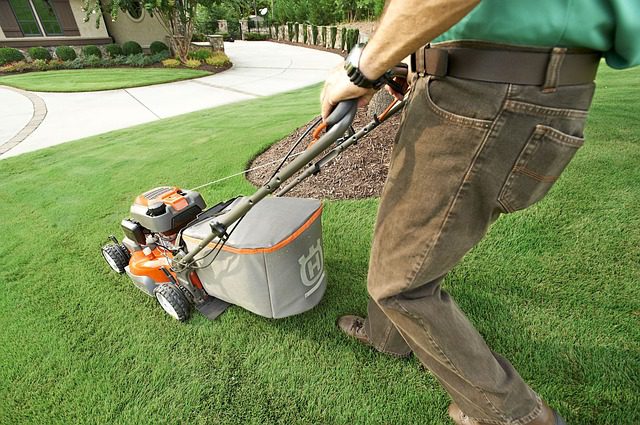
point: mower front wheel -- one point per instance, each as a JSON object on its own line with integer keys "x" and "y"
{"x": 117, "y": 256}
{"x": 173, "y": 301}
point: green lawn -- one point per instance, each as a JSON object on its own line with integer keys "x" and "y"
{"x": 555, "y": 289}
{"x": 78, "y": 80}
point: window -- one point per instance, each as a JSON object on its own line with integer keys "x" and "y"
{"x": 36, "y": 17}
{"x": 134, "y": 9}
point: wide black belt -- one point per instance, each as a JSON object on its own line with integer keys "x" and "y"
{"x": 507, "y": 64}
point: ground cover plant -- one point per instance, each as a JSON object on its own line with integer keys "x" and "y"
{"x": 555, "y": 288}
{"x": 98, "y": 79}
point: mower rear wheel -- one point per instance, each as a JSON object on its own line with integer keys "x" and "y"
{"x": 173, "y": 301}
{"x": 117, "y": 256}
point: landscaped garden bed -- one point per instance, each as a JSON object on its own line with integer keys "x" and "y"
{"x": 129, "y": 54}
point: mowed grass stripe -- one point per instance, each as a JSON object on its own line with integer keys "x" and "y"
{"x": 555, "y": 288}
{"x": 95, "y": 79}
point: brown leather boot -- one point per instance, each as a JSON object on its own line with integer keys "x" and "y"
{"x": 548, "y": 416}
{"x": 354, "y": 327}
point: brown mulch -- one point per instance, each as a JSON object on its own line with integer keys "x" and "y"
{"x": 359, "y": 172}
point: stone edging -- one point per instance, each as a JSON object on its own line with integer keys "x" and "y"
{"x": 39, "y": 112}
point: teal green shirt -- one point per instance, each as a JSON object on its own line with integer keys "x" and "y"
{"x": 609, "y": 26}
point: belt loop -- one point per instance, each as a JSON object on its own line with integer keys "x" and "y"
{"x": 421, "y": 66}
{"x": 552, "y": 76}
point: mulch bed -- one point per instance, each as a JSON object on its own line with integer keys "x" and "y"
{"x": 359, "y": 172}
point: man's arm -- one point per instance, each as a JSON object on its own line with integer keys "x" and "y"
{"x": 404, "y": 27}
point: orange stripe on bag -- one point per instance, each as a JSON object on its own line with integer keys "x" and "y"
{"x": 271, "y": 249}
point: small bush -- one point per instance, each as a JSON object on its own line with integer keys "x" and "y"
{"x": 254, "y": 36}
{"x": 9, "y": 55}
{"x": 93, "y": 61}
{"x": 198, "y": 37}
{"x": 290, "y": 30}
{"x": 193, "y": 63}
{"x": 113, "y": 50}
{"x": 137, "y": 60}
{"x": 171, "y": 63}
{"x": 334, "y": 35}
{"x": 159, "y": 57}
{"x": 314, "y": 34}
{"x": 39, "y": 64}
{"x": 88, "y": 51}
{"x": 39, "y": 53}
{"x": 131, "y": 48}
{"x": 77, "y": 63}
{"x": 19, "y": 66}
{"x": 55, "y": 64}
{"x": 343, "y": 38}
{"x": 218, "y": 60}
{"x": 305, "y": 33}
{"x": 157, "y": 47}
{"x": 200, "y": 54}
{"x": 66, "y": 53}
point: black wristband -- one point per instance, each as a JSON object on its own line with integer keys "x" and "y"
{"x": 352, "y": 66}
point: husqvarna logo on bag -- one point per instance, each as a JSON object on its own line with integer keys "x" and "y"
{"x": 312, "y": 268}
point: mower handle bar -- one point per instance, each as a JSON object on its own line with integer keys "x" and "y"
{"x": 338, "y": 122}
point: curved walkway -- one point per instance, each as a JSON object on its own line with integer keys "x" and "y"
{"x": 260, "y": 69}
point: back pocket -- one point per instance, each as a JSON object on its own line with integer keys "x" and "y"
{"x": 543, "y": 158}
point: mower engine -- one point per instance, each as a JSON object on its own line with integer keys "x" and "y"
{"x": 146, "y": 251}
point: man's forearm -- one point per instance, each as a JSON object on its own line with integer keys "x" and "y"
{"x": 405, "y": 26}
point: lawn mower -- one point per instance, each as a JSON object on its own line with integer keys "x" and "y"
{"x": 263, "y": 253}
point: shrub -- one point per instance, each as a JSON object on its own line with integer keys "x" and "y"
{"x": 9, "y": 55}
{"x": 65, "y": 53}
{"x": 324, "y": 36}
{"x": 314, "y": 34}
{"x": 296, "y": 31}
{"x": 137, "y": 60}
{"x": 55, "y": 64}
{"x": 159, "y": 57}
{"x": 77, "y": 63}
{"x": 352, "y": 38}
{"x": 334, "y": 35}
{"x": 93, "y": 61}
{"x": 198, "y": 37}
{"x": 193, "y": 63}
{"x": 18, "y": 66}
{"x": 200, "y": 54}
{"x": 91, "y": 50}
{"x": 113, "y": 50}
{"x": 39, "y": 53}
{"x": 39, "y": 64}
{"x": 254, "y": 36}
{"x": 343, "y": 38}
{"x": 218, "y": 60}
{"x": 120, "y": 60}
{"x": 290, "y": 30}
{"x": 305, "y": 33}
{"x": 131, "y": 48}
{"x": 157, "y": 47}
{"x": 171, "y": 63}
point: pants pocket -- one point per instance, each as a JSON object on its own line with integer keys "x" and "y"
{"x": 543, "y": 158}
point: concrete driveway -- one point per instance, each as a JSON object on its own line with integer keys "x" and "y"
{"x": 35, "y": 120}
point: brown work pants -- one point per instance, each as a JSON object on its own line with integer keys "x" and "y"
{"x": 466, "y": 152}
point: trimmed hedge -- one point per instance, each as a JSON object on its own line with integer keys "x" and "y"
{"x": 91, "y": 50}
{"x": 254, "y": 36}
{"x": 113, "y": 50}
{"x": 131, "y": 48}
{"x": 157, "y": 47}
{"x": 66, "y": 53}
{"x": 39, "y": 53}
{"x": 9, "y": 55}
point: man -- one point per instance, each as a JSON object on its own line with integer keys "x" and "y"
{"x": 489, "y": 126}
